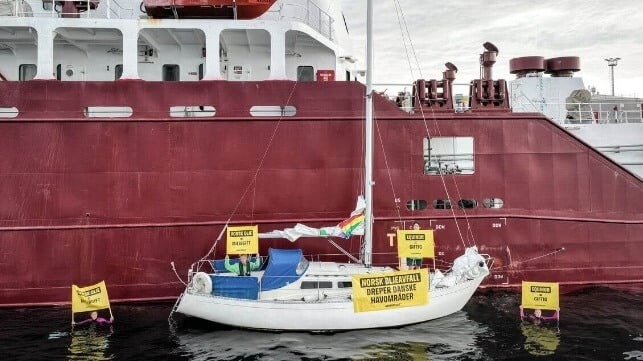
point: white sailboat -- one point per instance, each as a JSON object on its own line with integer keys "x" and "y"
{"x": 294, "y": 294}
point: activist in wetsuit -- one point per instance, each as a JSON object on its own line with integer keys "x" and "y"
{"x": 244, "y": 267}
{"x": 93, "y": 317}
{"x": 537, "y": 317}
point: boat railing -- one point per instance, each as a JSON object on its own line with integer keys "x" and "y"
{"x": 108, "y": 9}
{"x": 308, "y": 13}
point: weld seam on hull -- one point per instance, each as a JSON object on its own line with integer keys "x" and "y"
{"x": 213, "y": 223}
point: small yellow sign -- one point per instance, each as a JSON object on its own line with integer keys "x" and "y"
{"x": 542, "y": 295}
{"x": 381, "y": 291}
{"x": 415, "y": 243}
{"x": 90, "y": 298}
{"x": 242, "y": 240}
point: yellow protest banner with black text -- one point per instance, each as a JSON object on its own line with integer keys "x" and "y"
{"x": 542, "y": 295}
{"x": 415, "y": 243}
{"x": 90, "y": 298}
{"x": 242, "y": 240}
{"x": 381, "y": 291}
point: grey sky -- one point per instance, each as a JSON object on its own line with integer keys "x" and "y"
{"x": 454, "y": 31}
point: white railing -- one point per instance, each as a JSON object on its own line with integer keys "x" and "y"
{"x": 106, "y": 9}
{"x": 308, "y": 13}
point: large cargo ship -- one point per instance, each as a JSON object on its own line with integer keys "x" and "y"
{"x": 127, "y": 142}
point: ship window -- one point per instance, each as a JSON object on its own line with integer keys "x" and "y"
{"x": 118, "y": 71}
{"x": 273, "y": 111}
{"x": 200, "y": 71}
{"x": 467, "y": 203}
{"x": 59, "y": 72}
{"x": 309, "y": 285}
{"x": 442, "y": 204}
{"x": 27, "y": 72}
{"x": 108, "y": 112}
{"x": 448, "y": 155}
{"x": 11, "y": 112}
{"x": 192, "y": 111}
{"x": 416, "y": 204}
{"x": 493, "y": 203}
{"x": 305, "y": 73}
{"x": 171, "y": 72}
{"x": 344, "y": 284}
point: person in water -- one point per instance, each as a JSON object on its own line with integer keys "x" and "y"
{"x": 537, "y": 316}
{"x": 93, "y": 317}
{"x": 244, "y": 267}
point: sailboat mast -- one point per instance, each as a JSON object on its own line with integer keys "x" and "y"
{"x": 368, "y": 157}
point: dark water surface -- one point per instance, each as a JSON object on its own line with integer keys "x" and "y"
{"x": 597, "y": 324}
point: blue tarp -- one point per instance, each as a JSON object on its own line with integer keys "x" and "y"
{"x": 235, "y": 287}
{"x": 281, "y": 269}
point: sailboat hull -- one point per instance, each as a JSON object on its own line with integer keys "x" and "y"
{"x": 321, "y": 316}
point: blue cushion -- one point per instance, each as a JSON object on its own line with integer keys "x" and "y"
{"x": 235, "y": 287}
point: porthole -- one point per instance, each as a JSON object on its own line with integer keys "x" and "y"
{"x": 467, "y": 203}
{"x": 442, "y": 204}
{"x": 416, "y": 204}
{"x": 493, "y": 203}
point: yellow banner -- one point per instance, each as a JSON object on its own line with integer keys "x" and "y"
{"x": 542, "y": 295}
{"x": 380, "y": 291}
{"x": 242, "y": 240}
{"x": 90, "y": 298}
{"x": 415, "y": 243}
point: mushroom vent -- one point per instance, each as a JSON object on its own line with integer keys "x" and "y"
{"x": 562, "y": 67}
{"x": 526, "y": 65}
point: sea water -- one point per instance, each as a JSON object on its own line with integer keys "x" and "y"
{"x": 596, "y": 324}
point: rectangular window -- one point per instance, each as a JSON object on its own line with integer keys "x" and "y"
{"x": 27, "y": 72}
{"x": 448, "y": 155}
{"x": 305, "y": 73}
{"x": 118, "y": 71}
{"x": 171, "y": 72}
{"x": 200, "y": 71}
{"x": 59, "y": 72}
{"x": 309, "y": 285}
{"x": 344, "y": 284}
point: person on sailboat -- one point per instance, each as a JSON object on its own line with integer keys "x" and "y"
{"x": 243, "y": 267}
{"x": 414, "y": 263}
{"x": 537, "y": 316}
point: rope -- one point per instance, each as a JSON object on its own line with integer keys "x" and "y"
{"x": 177, "y": 275}
{"x": 557, "y": 250}
{"x": 388, "y": 170}
{"x": 252, "y": 181}
{"x": 401, "y": 22}
{"x": 343, "y": 251}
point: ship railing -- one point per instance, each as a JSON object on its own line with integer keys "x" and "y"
{"x": 308, "y": 13}
{"x": 108, "y": 9}
{"x": 622, "y": 149}
{"x": 582, "y": 113}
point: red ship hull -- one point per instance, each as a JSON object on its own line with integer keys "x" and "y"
{"x": 87, "y": 199}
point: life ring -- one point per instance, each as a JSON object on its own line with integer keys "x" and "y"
{"x": 202, "y": 283}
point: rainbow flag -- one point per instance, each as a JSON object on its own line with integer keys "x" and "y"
{"x": 349, "y": 225}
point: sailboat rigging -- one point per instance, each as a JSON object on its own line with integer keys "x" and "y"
{"x": 293, "y": 293}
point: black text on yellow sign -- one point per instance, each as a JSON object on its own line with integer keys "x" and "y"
{"x": 242, "y": 240}
{"x": 381, "y": 291}
{"x": 415, "y": 243}
{"x": 542, "y": 295}
{"x": 89, "y": 298}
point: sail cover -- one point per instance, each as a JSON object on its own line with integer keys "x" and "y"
{"x": 282, "y": 268}
{"x": 353, "y": 225}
